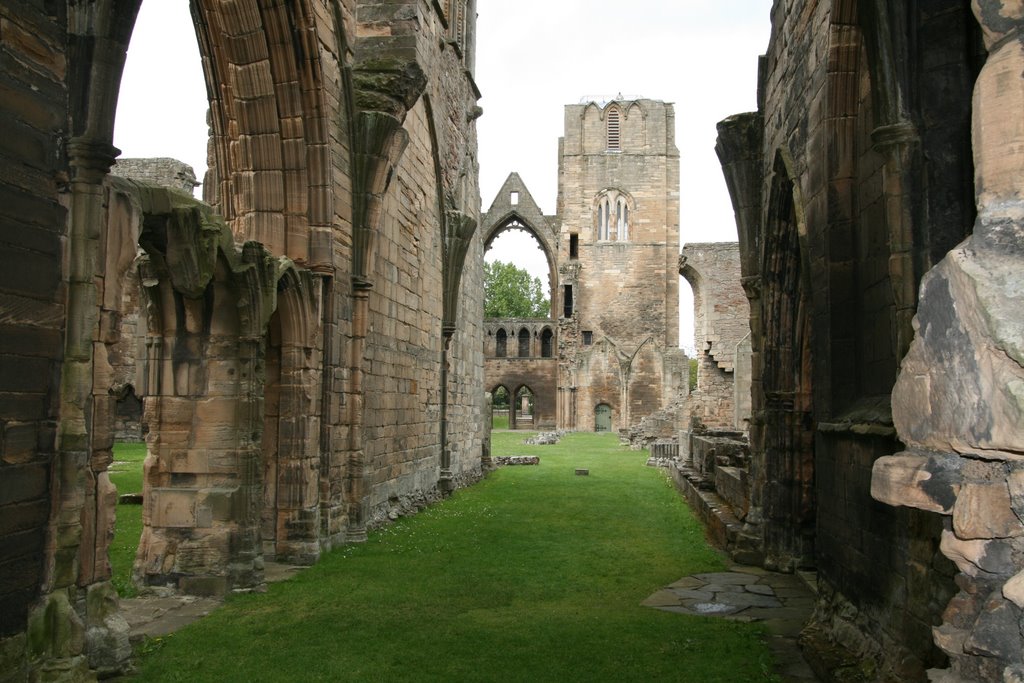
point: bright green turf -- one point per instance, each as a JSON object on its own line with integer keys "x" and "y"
{"x": 534, "y": 574}
{"x": 126, "y": 473}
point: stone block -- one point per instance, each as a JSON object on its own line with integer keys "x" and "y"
{"x": 208, "y": 586}
{"x": 978, "y": 557}
{"x": 927, "y": 482}
{"x": 983, "y": 510}
{"x": 996, "y": 632}
{"x": 731, "y": 484}
{"x": 172, "y": 508}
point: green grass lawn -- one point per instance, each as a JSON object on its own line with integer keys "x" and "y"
{"x": 534, "y": 574}
{"x": 499, "y": 422}
{"x": 126, "y": 473}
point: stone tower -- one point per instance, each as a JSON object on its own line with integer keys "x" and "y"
{"x": 618, "y": 283}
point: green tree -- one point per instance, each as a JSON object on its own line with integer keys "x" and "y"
{"x": 510, "y": 292}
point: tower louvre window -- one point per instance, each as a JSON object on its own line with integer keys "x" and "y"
{"x": 613, "y": 128}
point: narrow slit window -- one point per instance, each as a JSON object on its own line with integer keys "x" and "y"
{"x": 588, "y": 337}
{"x": 513, "y": 198}
{"x": 567, "y": 301}
{"x": 574, "y": 246}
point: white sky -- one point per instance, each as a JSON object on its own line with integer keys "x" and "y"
{"x": 533, "y": 57}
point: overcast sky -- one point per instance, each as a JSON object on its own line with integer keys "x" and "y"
{"x": 533, "y": 57}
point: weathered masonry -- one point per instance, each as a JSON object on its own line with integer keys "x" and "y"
{"x": 883, "y": 270}
{"x": 613, "y": 249}
{"x": 309, "y": 337}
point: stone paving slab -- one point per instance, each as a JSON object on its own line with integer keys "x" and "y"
{"x": 155, "y": 616}
{"x": 782, "y": 602}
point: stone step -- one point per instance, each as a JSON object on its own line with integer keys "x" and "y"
{"x": 731, "y": 484}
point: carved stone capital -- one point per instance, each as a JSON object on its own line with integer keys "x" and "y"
{"x": 91, "y": 159}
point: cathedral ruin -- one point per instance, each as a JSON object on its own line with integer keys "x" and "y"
{"x": 612, "y": 248}
{"x": 313, "y": 344}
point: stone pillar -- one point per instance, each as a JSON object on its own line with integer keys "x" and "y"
{"x": 958, "y": 404}
{"x": 76, "y": 625}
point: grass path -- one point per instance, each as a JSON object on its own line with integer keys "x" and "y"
{"x": 534, "y": 574}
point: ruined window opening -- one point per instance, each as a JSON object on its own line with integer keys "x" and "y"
{"x": 513, "y": 198}
{"x": 524, "y": 343}
{"x": 567, "y": 301}
{"x": 500, "y": 344}
{"x": 602, "y": 219}
{"x": 613, "y": 215}
{"x": 613, "y": 129}
{"x": 574, "y": 246}
{"x": 546, "y": 339}
{"x": 588, "y": 337}
{"x": 622, "y": 212}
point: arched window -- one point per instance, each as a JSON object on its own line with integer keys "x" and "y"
{"x": 613, "y": 216}
{"x": 603, "y": 209}
{"x": 612, "y": 126}
{"x": 500, "y": 343}
{"x": 524, "y": 343}
{"x": 546, "y": 339}
{"x": 622, "y": 219}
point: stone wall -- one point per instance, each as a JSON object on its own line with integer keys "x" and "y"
{"x": 312, "y": 336}
{"x": 537, "y": 370}
{"x": 843, "y": 200}
{"x": 957, "y": 405}
{"x": 160, "y": 171}
{"x": 34, "y": 213}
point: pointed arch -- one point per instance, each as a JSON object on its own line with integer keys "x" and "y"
{"x": 614, "y": 209}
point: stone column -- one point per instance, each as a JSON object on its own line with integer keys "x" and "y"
{"x": 958, "y": 404}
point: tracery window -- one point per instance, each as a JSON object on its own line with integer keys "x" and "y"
{"x": 524, "y": 343}
{"x": 613, "y": 215}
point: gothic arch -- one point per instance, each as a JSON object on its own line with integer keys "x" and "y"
{"x": 613, "y": 212}
{"x": 513, "y": 220}
{"x": 785, "y": 439}
{"x": 547, "y": 240}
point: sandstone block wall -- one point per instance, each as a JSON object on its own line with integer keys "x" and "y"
{"x": 843, "y": 200}
{"x": 721, "y": 317}
{"x": 312, "y": 360}
{"x": 163, "y": 171}
{"x": 612, "y": 356}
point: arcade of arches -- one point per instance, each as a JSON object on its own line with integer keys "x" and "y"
{"x": 312, "y": 352}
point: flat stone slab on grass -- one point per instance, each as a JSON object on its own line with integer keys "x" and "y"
{"x": 781, "y": 601}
